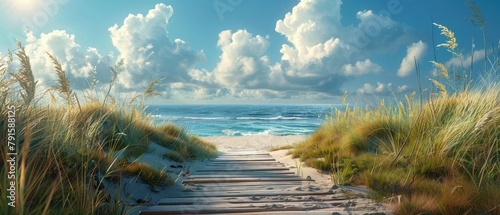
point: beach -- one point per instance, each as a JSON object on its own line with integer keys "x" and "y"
{"x": 253, "y": 142}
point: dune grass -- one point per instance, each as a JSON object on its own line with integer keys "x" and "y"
{"x": 443, "y": 156}
{"x": 66, "y": 150}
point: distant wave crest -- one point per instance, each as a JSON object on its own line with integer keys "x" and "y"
{"x": 272, "y": 132}
{"x": 207, "y": 118}
{"x": 229, "y": 132}
{"x": 272, "y": 118}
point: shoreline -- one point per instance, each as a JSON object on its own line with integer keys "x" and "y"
{"x": 253, "y": 142}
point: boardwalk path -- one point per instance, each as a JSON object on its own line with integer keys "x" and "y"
{"x": 250, "y": 182}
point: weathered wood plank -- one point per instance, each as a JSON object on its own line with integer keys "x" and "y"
{"x": 243, "y": 156}
{"x": 246, "y": 173}
{"x": 241, "y": 159}
{"x": 258, "y": 188}
{"x": 243, "y": 176}
{"x": 244, "y": 184}
{"x": 267, "y": 193}
{"x": 243, "y": 169}
{"x": 238, "y": 180}
{"x": 243, "y": 164}
{"x": 249, "y": 200}
{"x": 232, "y": 208}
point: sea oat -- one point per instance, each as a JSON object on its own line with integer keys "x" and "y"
{"x": 440, "y": 66}
{"x": 451, "y": 44}
{"x": 344, "y": 97}
{"x": 440, "y": 86}
{"x": 150, "y": 91}
{"x": 25, "y": 76}
{"x": 63, "y": 81}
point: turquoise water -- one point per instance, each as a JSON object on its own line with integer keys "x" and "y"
{"x": 243, "y": 120}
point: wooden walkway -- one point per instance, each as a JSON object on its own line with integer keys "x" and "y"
{"x": 249, "y": 182}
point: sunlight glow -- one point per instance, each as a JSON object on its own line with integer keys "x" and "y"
{"x": 25, "y": 6}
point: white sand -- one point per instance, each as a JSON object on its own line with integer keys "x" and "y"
{"x": 257, "y": 142}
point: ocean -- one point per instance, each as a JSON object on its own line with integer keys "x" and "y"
{"x": 242, "y": 120}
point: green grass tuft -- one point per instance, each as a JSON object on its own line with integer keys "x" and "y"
{"x": 150, "y": 175}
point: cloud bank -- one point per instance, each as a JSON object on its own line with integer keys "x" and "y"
{"x": 320, "y": 56}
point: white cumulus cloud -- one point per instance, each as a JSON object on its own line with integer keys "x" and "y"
{"x": 243, "y": 61}
{"x": 78, "y": 63}
{"x": 467, "y": 60}
{"x": 323, "y": 53}
{"x": 244, "y": 69}
{"x": 361, "y": 68}
{"x": 148, "y": 51}
{"x": 415, "y": 51}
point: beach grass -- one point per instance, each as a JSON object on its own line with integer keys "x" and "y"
{"x": 441, "y": 156}
{"x": 67, "y": 148}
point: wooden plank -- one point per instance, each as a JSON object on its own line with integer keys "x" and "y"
{"x": 244, "y": 155}
{"x": 326, "y": 211}
{"x": 244, "y": 170}
{"x": 245, "y": 166}
{"x": 245, "y": 184}
{"x": 267, "y": 193}
{"x": 247, "y": 200}
{"x": 264, "y": 204}
{"x": 257, "y": 166}
{"x": 232, "y": 208}
{"x": 234, "y": 160}
{"x": 244, "y": 163}
{"x": 239, "y": 152}
{"x": 241, "y": 208}
{"x": 237, "y": 180}
{"x": 263, "y": 160}
{"x": 246, "y": 173}
{"x": 255, "y": 188}
{"x": 243, "y": 176}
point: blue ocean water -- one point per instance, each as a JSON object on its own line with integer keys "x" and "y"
{"x": 242, "y": 120}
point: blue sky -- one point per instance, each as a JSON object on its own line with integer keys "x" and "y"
{"x": 244, "y": 51}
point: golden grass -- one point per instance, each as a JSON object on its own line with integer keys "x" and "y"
{"x": 150, "y": 175}
{"x": 451, "y": 141}
{"x": 443, "y": 156}
{"x": 66, "y": 151}
{"x": 281, "y": 148}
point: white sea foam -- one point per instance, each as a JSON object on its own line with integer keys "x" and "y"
{"x": 271, "y": 118}
{"x": 207, "y": 118}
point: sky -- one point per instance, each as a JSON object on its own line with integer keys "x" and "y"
{"x": 248, "y": 51}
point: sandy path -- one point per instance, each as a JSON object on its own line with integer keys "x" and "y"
{"x": 257, "y": 142}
